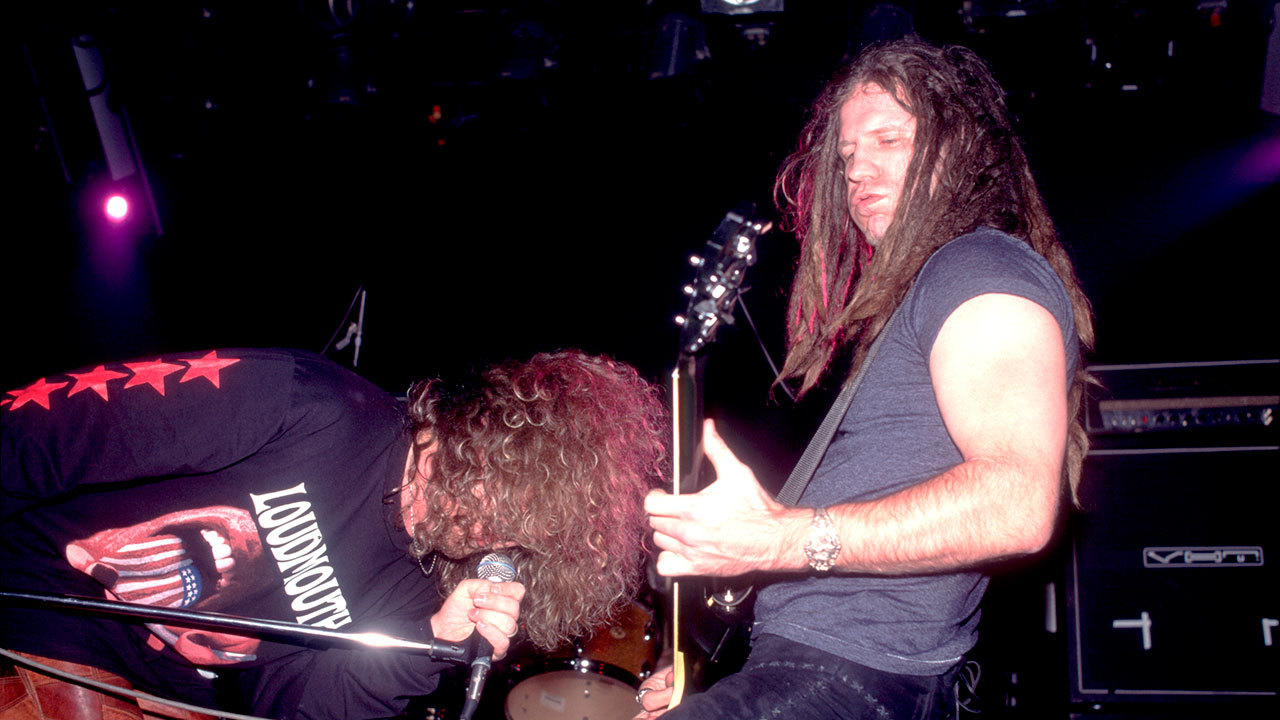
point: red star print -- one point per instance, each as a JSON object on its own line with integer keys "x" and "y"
{"x": 37, "y": 392}
{"x": 207, "y": 367}
{"x": 95, "y": 380}
{"x": 150, "y": 373}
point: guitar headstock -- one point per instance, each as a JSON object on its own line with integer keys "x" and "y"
{"x": 718, "y": 278}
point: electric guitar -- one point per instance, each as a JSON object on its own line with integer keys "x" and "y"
{"x": 718, "y": 279}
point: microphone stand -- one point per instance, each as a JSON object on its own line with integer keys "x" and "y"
{"x": 292, "y": 633}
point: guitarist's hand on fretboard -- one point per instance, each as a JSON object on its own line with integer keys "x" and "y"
{"x": 730, "y": 528}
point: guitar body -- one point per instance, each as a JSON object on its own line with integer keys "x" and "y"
{"x": 703, "y": 617}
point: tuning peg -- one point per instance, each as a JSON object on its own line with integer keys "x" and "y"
{"x": 697, "y": 260}
{"x": 688, "y": 290}
{"x": 680, "y": 320}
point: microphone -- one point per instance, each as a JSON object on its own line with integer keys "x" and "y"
{"x": 494, "y": 567}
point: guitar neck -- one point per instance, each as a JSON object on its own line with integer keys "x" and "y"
{"x": 687, "y": 414}
{"x": 688, "y": 460}
{"x": 712, "y": 295}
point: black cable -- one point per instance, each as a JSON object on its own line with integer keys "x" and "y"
{"x": 764, "y": 349}
{"x": 966, "y": 688}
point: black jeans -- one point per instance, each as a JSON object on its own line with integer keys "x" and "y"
{"x": 785, "y": 679}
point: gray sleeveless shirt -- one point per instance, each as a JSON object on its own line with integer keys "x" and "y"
{"x": 891, "y": 438}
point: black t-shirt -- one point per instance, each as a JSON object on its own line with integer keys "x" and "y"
{"x": 249, "y": 482}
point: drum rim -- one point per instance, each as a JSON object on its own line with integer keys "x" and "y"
{"x": 581, "y": 665}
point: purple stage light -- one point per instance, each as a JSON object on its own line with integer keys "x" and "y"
{"x": 116, "y": 208}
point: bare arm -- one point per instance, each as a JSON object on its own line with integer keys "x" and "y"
{"x": 999, "y": 374}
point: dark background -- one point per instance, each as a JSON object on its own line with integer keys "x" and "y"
{"x": 507, "y": 178}
{"x": 293, "y": 157}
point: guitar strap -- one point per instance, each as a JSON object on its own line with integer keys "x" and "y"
{"x": 790, "y": 493}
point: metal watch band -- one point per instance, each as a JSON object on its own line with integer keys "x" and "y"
{"x": 823, "y": 545}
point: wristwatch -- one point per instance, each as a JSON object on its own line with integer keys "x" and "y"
{"x": 823, "y": 545}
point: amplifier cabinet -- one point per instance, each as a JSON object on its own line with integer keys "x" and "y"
{"x": 1171, "y": 584}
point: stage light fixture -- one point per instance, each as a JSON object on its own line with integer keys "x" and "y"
{"x": 741, "y": 7}
{"x": 119, "y": 147}
{"x": 116, "y": 208}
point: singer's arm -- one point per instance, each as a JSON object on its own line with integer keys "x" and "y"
{"x": 344, "y": 683}
{"x": 491, "y": 609}
{"x": 154, "y": 418}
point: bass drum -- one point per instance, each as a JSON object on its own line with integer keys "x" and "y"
{"x": 597, "y": 680}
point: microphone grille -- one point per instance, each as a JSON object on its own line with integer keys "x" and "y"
{"x": 496, "y": 567}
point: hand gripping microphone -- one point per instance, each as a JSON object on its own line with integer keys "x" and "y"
{"x": 494, "y": 567}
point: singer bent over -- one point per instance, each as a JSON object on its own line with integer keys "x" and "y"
{"x": 275, "y": 484}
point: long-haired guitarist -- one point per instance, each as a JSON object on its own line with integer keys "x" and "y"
{"x": 909, "y": 191}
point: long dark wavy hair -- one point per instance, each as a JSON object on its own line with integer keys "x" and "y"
{"x": 968, "y": 169}
{"x": 562, "y": 450}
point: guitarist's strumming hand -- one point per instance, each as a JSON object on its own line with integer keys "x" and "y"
{"x": 729, "y": 528}
{"x": 655, "y": 693}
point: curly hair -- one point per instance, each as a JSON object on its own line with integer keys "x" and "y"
{"x": 554, "y": 457}
{"x": 967, "y": 169}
